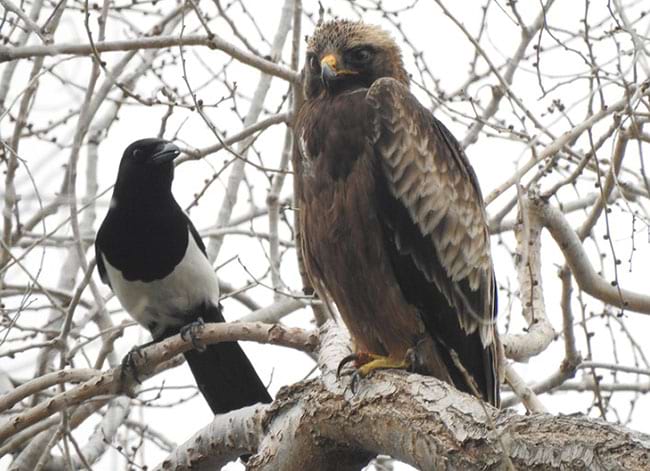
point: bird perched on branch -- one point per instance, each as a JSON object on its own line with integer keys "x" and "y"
{"x": 393, "y": 221}
{"x": 150, "y": 254}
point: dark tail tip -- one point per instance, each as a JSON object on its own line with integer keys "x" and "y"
{"x": 226, "y": 377}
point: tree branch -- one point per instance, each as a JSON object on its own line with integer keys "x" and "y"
{"x": 157, "y": 42}
{"x": 521, "y": 347}
{"x": 585, "y": 275}
{"x": 114, "y": 381}
{"x": 320, "y": 424}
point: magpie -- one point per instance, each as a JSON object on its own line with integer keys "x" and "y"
{"x": 152, "y": 257}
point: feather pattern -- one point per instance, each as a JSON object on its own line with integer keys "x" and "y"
{"x": 428, "y": 173}
{"x": 392, "y": 219}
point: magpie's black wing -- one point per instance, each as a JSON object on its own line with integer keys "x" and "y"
{"x": 145, "y": 246}
{"x": 100, "y": 265}
{"x": 196, "y": 236}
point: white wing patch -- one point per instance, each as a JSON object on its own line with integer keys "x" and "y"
{"x": 302, "y": 145}
{"x": 166, "y": 302}
{"x": 307, "y": 160}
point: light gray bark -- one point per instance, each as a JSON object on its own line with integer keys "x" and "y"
{"x": 321, "y": 424}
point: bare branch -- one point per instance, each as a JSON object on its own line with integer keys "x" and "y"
{"x": 156, "y": 42}
{"x": 113, "y": 381}
{"x": 521, "y": 347}
{"x": 585, "y": 275}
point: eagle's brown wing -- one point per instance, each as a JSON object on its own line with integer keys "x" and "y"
{"x": 435, "y": 229}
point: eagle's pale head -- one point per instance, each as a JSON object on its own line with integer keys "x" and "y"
{"x": 344, "y": 55}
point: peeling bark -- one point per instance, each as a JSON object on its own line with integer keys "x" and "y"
{"x": 321, "y": 424}
{"x": 428, "y": 424}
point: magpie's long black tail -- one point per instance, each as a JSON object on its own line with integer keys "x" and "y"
{"x": 224, "y": 374}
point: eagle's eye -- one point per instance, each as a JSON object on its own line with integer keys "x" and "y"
{"x": 313, "y": 61}
{"x": 136, "y": 152}
{"x": 360, "y": 55}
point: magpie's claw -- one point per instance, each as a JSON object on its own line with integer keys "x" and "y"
{"x": 128, "y": 362}
{"x": 190, "y": 332}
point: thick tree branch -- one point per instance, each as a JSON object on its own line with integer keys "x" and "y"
{"x": 223, "y": 440}
{"x": 540, "y": 333}
{"x": 320, "y": 424}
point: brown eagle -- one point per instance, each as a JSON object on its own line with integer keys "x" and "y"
{"x": 394, "y": 226}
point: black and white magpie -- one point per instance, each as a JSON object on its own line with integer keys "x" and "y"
{"x": 150, "y": 254}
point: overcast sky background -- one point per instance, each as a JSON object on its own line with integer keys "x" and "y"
{"x": 448, "y": 54}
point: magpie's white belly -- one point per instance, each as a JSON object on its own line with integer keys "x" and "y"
{"x": 167, "y": 302}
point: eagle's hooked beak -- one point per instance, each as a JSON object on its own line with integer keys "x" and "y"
{"x": 328, "y": 68}
{"x": 329, "y": 72}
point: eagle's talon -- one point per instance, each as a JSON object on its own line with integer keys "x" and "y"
{"x": 365, "y": 363}
{"x": 349, "y": 358}
{"x": 411, "y": 359}
{"x": 356, "y": 380}
{"x": 372, "y": 362}
{"x": 190, "y": 332}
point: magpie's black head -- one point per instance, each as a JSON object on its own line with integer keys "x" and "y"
{"x": 147, "y": 167}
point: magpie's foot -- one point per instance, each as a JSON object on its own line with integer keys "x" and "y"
{"x": 129, "y": 366}
{"x": 191, "y": 331}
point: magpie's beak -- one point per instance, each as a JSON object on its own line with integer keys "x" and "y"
{"x": 166, "y": 152}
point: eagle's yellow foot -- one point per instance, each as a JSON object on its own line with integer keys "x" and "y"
{"x": 379, "y": 362}
{"x": 365, "y": 363}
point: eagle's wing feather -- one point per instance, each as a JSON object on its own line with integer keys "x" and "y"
{"x": 434, "y": 222}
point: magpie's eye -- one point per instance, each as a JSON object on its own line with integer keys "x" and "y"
{"x": 139, "y": 155}
{"x": 361, "y": 55}
{"x": 313, "y": 61}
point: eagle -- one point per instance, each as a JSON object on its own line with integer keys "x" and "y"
{"x": 393, "y": 221}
